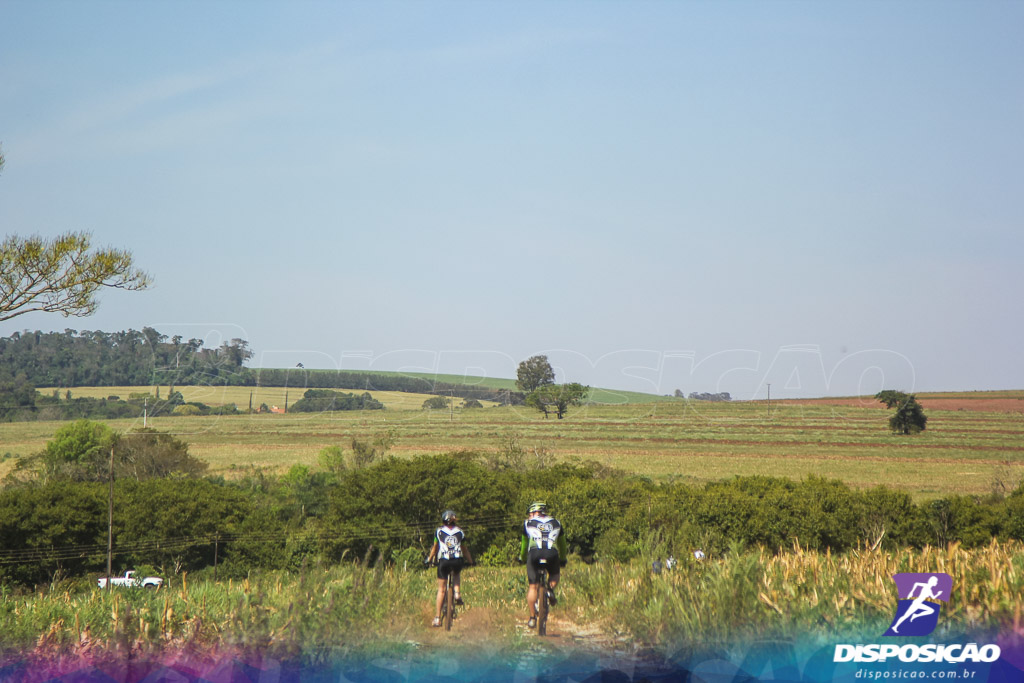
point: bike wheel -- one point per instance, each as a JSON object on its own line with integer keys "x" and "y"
{"x": 542, "y": 611}
{"x": 449, "y": 605}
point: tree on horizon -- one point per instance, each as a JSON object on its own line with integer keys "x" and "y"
{"x": 533, "y": 373}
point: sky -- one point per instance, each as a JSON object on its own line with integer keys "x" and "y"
{"x": 699, "y": 196}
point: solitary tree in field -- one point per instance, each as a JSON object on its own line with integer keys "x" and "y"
{"x": 557, "y": 397}
{"x": 534, "y": 372}
{"x": 909, "y": 417}
{"x": 61, "y": 275}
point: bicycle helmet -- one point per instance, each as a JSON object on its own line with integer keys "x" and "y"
{"x": 538, "y": 506}
{"x": 448, "y": 516}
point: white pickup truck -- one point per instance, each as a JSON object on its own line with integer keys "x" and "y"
{"x": 129, "y": 579}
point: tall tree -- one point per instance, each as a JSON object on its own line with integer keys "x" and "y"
{"x": 61, "y": 275}
{"x": 78, "y": 451}
{"x": 909, "y": 417}
{"x": 533, "y": 373}
{"x": 235, "y": 352}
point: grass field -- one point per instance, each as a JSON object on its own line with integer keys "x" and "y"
{"x": 962, "y": 451}
{"x": 597, "y": 395}
{"x": 275, "y": 396}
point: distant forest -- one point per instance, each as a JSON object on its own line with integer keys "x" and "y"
{"x": 129, "y": 358}
{"x": 149, "y": 358}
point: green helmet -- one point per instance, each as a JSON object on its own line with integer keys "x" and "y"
{"x": 538, "y": 506}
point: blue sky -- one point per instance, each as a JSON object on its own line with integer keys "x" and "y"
{"x": 657, "y": 195}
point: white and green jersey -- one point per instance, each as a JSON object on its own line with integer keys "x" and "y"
{"x": 449, "y": 542}
{"x": 542, "y": 533}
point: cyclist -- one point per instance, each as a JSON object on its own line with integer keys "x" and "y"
{"x": 542, "y": 538}
{"x": 451, "y": 555}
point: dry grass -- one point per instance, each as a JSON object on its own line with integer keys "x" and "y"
{"x": 241, "y": 396}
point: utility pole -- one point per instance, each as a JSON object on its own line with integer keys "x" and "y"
{"x": 769, "y": 400}
{"x": 110, "y": 520}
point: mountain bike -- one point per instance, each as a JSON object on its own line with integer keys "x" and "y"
{"x": 448, "y": 606}
{"x": 448, "y": 603}
{"x": 542, "y": 599}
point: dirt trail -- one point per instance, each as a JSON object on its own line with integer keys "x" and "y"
{"x": 472, "y": 626}
{"x": 487, "y": 629}
{"x": 589, "y": 636}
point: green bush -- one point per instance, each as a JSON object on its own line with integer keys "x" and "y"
{"x": 186, "y": 410}
{"x": 617, "y": 545}
{"x": 963, "y": 519}
{"x": 388, "y": 509}
{"x": 408, "y": 559}
{"x": 332, "y": 459}
{"x": 325, "y": 400}
{"x": 1013, "y": 526}
{"x": 436, "y": 403}
{"x": 501, "y": 553}
{"x": 823, "y": 510}
{"x": 42, "y": 519}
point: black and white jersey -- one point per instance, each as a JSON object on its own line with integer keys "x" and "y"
{"x": 542, "y": 532}
{"x": 449, "y": 542}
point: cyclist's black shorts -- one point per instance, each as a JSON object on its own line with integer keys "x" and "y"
{"x": 549, "y": 554}
{"x": 444, "y": 567}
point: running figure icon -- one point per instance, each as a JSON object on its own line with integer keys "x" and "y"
{"x": 914, "y": 615}
{"x": 919, "y": 608}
